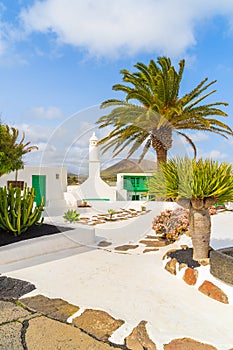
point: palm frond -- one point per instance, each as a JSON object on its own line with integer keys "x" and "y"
{"x": 156, "y": 88}
{"x": 188, "y": 139}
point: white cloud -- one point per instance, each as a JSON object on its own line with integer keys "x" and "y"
{"x": 214, "y": 154}
{"x": 35, "y": 133}
{"x": 199, "y": 136}
{"x": 48, "y": 113}
{"x": 112, "y": 28}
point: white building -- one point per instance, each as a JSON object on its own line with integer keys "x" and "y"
{"x": 132, "y": 186}
{"x": 50, "y": 183}
{"x": 94, "y": 188}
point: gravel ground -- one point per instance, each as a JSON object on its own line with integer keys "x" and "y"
{"x": 33, "y": 232}
{"x": 184, "y": 256}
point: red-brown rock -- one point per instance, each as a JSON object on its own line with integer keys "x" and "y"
{"x": 187, "y": 344}
{"x": 190, "y": 276}
{"x": 171, "y": 266}
{"x": 214, "y": 292}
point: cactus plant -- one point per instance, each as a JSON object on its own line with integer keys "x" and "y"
{"x": 71, "y": 215}
{"x": 18, "y": 211}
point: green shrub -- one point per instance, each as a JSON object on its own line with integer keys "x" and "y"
{"x": 18, "y": 211}
{"x": 71, "y": 215}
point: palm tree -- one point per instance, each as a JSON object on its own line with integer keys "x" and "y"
{"x": 12, "y": 150}
{"x": 195, "y": 185}
{"x": 159, "y": 110}
{"x": 22, "y": 148}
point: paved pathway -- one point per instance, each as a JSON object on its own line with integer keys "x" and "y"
{"x": 39, "y": 323}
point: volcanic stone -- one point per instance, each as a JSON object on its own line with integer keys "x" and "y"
{"x": 127, "y": 247}
{"x": 10, "y": 336}
{"x": 139, "y": 338}
{"x": 187, "y": 344}
{"x": 171, "y": 266}
{"x": 104, "y": 244}
{"x": 55, "y": 308}
{"x": 184, "y": 256}
{"x": 148, "y": 250}
{"x": 214, "y": 292}
{"x": 44, "y": 333}
{"x": 12, "y": 288}
{"x": 181, "y": 266}
{"x": 190, "y": 276}
{"x": 167, "y": 253}
{"x": 154, "y": 243}
{"x": 10, "y": 312}
{"x": 97, "y": 323}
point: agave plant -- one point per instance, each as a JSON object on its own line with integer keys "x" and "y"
{"x": 71, "y": 215}
{"x": 195, "y": 185}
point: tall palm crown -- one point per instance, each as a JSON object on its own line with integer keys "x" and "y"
{"x": 159, "y": 110}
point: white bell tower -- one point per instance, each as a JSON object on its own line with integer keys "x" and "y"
{"x": 94, "y": 187}
{"x": 94, "y": 162}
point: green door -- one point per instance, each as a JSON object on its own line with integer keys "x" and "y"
{"x": 39, "y": 184}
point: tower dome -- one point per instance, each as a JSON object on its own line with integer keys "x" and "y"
{"x": 93, "y": 140}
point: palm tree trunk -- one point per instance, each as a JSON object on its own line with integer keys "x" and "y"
{"x": 161, "y": 142}
{"x": 200, "y": 228}
{"x": 161, "y": 155}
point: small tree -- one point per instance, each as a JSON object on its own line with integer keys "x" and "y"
{"x": 195, "y": 185}
{"x": 12, "y": 149}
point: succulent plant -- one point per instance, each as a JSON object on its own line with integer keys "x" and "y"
{"x": 170, "y": 224}
{"x": 71, "y": 215}
{"x": 18, "y": 211}
{"x": 111, "y": 212}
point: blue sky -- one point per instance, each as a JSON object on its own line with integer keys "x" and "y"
{"x": 59, "y": 60}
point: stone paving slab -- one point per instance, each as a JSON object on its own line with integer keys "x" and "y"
{"x": 10, "y": 312}
{"x": 12, "y": 288}
{"x": 10, "y": 336}
{"x": 97, "y": 323}
{"x": 44, "y": 333}
{"x": 154, "y": 243}
{"x": 32, "y": 331}
{"x": 55, "y": 308}
{"x": 126, "y": 247}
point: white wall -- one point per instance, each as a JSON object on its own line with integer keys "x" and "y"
{"x": 94, "y": 187}
{"x": 55, "y": 188}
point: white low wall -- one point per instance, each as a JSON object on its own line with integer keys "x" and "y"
{"x": 121, "y": 232}
{"x": 47, "y": 244}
